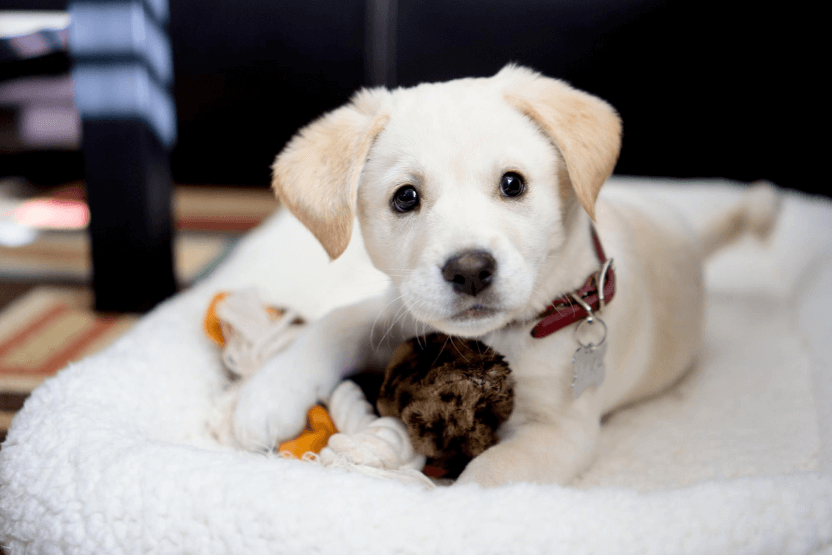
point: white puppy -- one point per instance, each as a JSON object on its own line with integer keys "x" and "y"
{"x": 478, "y": 198}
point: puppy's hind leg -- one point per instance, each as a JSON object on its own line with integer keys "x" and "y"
{"x": 755, "y": 212}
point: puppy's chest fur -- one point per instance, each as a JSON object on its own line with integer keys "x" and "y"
{"x": 542, "y": 368}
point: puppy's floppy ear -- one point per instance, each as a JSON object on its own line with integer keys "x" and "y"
{"x": 586, "y": 130}
{"x": 316, "y": 175}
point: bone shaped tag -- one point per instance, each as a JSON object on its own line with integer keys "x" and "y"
{"x": 588, "y": 363}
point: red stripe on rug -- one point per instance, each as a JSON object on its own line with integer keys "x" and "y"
{"x": 32, "y": 328}
{"x": 206, "y": 223}
{"x": 61, "y": 359}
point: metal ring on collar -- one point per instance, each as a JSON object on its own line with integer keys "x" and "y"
{"x": 585, "y": 305}
{"x": 601, "y": 279}
{"x": 590, "y": 322}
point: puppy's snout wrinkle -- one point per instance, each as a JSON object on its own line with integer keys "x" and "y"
{"x": 470, "y": 271}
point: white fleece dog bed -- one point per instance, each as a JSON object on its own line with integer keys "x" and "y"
{"x": 113, "y": 455}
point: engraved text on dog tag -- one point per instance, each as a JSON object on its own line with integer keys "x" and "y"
{"x": 588, "y": 364}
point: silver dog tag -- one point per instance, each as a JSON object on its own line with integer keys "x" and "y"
{"x": 588, "y": 363}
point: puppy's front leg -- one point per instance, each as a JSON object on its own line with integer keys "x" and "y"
{"x": 537, "y": 452}
{"x": 272, "y": 405}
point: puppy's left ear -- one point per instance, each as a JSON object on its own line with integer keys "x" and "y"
{"x": 316, "y": 175}
{"x": 586, "y": 130}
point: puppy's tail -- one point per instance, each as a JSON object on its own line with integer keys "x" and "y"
{"x": 755, "y": 212}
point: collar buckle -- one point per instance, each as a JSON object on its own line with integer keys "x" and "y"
{"x": 600, "y": 277}
{"x": 583, "y": 303}
{"x": 600, "y": 280}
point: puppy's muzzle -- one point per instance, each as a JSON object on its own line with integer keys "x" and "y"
{"x": 470, "y": 272}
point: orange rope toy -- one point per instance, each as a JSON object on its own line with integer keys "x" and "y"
{"x": 319, "y": 423}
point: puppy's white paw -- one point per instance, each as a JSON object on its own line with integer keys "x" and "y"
{"x": 271, "y": 407}
{"x": 487, "y": 471}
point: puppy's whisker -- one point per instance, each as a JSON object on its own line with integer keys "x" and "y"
{"x": 401, "y": 313}
{"x": 445, "y": 344}
{"x": 392, "y": 322}
{"x": 442, "y": 349}
{"x": 357, "y": 297}
{"x": 384, "y": 309}
{"x": 421, "y": 335}
{"x": 375, "y": 323}
{"x": 457, "y": 350}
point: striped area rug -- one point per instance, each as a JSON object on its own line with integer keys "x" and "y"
{"x": 43, "y": 331}
{"x": 44, "y": 328}
{"x": 65, "y": 257}
{"x": 208, "y": 222}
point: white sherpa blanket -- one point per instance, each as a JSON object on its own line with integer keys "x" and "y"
{"x": 113, "y": 455}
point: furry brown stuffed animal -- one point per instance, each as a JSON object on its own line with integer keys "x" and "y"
{"x": 452, "y": 394}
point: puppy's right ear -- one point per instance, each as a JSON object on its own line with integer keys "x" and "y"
{"x": 316, "y": 175}
{"x": 586, "y": 130}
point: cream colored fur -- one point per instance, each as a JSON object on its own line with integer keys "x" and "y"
{"x": 453, "y": 142}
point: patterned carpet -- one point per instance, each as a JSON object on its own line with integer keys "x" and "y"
{"x": 46, "y": 315}
{"x": 43, "y": 331}
{"x": 208, "y": 220}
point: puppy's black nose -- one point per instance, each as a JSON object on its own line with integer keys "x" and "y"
{"x": 470, "y": 271}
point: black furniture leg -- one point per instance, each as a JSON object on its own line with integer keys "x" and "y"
{"x": 123, "y": 73}
{"x": 129, "y": 190}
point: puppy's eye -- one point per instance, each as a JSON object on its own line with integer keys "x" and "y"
{"x": 512, "y": 185}
{"x": 405, "y": 198}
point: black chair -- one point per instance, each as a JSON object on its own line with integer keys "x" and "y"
{"x": 121, "y": 79}
{"x": 123, "y": 74}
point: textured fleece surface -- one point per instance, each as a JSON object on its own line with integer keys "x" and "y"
{"x": 113, "y": 455}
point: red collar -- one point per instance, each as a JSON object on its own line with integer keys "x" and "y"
{"x": 568, "y": 309}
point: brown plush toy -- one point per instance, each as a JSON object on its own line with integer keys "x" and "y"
{"x": 452, "y": 394}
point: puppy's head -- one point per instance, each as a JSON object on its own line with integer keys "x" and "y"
{"x": 464, "y": 190}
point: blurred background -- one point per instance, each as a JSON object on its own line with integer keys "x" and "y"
{"x": 136, "y": 136}
{"x": 705, "y": 88}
